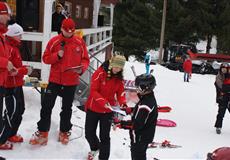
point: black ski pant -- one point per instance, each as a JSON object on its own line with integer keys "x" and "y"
{"x": 15, "y": 107}
{"x": 4, "y": 120}
{"x": 138, "y": 150}
{"x": 91, "y": 123}
{"x": 224, "y": 104}
{"x": 48, "y": 102}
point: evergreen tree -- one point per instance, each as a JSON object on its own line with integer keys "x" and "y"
{"x": 134, "y": 30}
{"x": 223, "y": 26}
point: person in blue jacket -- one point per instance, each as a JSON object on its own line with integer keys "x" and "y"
{"x": 147, "y": 61}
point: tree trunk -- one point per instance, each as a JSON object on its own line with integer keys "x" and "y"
{"x": 209, "y": 40}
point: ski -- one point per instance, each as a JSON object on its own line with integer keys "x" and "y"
{"x": 164, "y": 144}
{"x": 164, "y": 109}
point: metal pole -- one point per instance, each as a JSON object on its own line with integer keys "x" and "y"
{"x": 162, "y": 31}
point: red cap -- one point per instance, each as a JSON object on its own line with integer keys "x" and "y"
{"x": 68, "y": 25}
{"x": 4, "y": 8}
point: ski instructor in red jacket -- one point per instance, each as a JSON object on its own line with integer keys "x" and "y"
{"x": 68, "y": 56}
{"x": 6, "y": 67}
{"x": 106, "y": 90}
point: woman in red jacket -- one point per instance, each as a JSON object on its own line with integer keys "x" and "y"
{"x": 14, "y": 97}
{"x": 68, "y": 56}
{"x": 187, "y": 66}
{"x": 106, "y": 90}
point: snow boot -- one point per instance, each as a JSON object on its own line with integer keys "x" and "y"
{"x": 64, "y": 137}
{"x": 6, "y": 146}
{"x": 16, "y": 139}
{"x": 39, "y": 138}
{"x": 218, "y": 130}
{"x": 92, "y": 155}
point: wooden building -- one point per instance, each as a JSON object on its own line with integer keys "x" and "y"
{"x": 35, "y": 16}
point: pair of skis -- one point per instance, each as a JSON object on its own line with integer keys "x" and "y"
{"x": 164, "y": 144}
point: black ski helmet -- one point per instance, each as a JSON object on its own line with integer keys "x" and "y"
{"x": 145, "y": 82}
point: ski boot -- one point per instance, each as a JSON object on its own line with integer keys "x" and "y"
{"x": 218, "y": 130}
{"x": 16, "y": 139}
{"x": 92, "y": 155}
{"x": 6, "y": 146}
{"x": 39, "y": 138}
{"x": 64, "y": 137}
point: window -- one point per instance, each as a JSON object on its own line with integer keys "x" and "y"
{"x": 78, "y": 11}
{"x": 86, "y": 13}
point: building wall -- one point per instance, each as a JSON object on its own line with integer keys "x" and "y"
{"x": 81, "y": 12}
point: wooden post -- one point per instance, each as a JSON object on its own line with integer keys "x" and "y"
{"x": 162, "y": 31}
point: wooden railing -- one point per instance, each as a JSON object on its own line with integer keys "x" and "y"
{"x": 96, "y": 40}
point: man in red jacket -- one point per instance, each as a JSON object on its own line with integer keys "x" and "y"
{"x": 187, "y": 66}
{"x": 106, "y": 90}
{"x": 14, "y": 97}
{"x": 68, "y": 56}
{"x": 5, "y": 66}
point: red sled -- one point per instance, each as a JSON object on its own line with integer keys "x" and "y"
{"x": 164, "y": 109}
{"x": 166, "y": 123}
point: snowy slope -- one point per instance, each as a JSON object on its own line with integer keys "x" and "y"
{"x": 194, "y": 110}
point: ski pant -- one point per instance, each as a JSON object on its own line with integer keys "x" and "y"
{"x": 103, "y": 144}
{"x": 224, "y": 105}
{"x": 138, "y": 150}
{"x": 147, "y": 67}
{"x": 186, "y": 77}
{"x": 48, "y": 102}
{"x": 15, "y": 107}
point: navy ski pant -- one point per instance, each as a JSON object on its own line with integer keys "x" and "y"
{"x": 48, "y": 102}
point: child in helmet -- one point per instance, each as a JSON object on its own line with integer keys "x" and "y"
{"x": 222, "y": 84}
{"x": 144, "y": 117}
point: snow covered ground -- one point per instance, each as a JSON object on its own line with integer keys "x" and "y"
{"x": 194, "y": 110}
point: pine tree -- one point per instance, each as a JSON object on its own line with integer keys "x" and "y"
{"x": 223, "y": 26}
{"x": 134, "y": 30}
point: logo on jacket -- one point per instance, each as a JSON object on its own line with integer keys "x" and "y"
{"x": 78, "y": 49}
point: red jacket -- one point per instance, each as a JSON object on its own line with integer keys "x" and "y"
{"x": 4, "y": 55}
{"x": 104, "y": 91}
{"x": 187, "y": 66}
{"x": 15, "y": 58}
{"x": 75, "y": 54}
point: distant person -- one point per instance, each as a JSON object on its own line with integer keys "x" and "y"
{"x": 144, "y": 117}
{"x": 14, "y": 96}
{"x": 57, "y": 18}
{"x": 148, "y": 61}
{"x": 187, "y": 66}
{"x": 223, "y": 99}
{"x": 68, "y": 56}
{"x": 6, "y": 67}
{"x": 106, "y": 90}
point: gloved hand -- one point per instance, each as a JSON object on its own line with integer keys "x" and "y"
{"x": 129, "y": 110}
{"x": 123, "y": 106}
